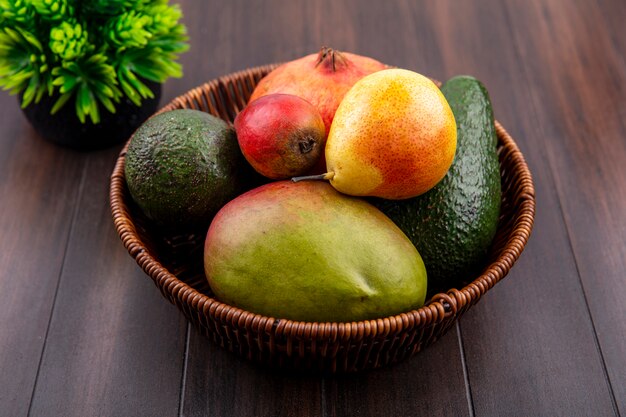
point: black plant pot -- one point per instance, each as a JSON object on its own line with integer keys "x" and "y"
{"x": 64, "y": 128}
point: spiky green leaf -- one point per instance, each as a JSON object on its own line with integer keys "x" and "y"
{"x": 30, "y": 92}
{"x": 53, "y": 10}
{"x": 23, "y": 64}
{"x": 60, "y": 102}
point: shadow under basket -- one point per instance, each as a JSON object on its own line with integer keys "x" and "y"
{"x": 175, "y": 265}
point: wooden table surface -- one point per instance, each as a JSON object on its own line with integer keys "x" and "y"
{"x": 84, "y": 332}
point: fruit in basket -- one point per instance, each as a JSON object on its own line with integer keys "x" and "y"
{"x": 393, "y": 136}
{"x": 453, "y": 224}
{"x": 321, "y": 79}
{"x": 280, "y": 135}
{"x": 304, "y": 251}
{"x": 182, "y": 166}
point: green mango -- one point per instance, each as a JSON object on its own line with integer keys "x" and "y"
{"x": 303, "y": 251}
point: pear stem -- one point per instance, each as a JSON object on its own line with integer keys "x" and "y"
{"x": 321, "y": 177}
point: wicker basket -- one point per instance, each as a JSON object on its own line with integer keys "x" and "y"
{"x": 175, "y": 265}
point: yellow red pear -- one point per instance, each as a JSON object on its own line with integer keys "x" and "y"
{"x": 393, "y": 136}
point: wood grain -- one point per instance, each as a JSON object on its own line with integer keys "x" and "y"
{"x": 540, "y": 311}
{"x": 579, "y": 95}
{"x": 113, "y": 341}
{"x": 430, "y": 384}
{"x": 220, "y": 384}
{"x": 38, "y": 187}
{"x": 213, "y": 375}
{"x": 400, "y": 35}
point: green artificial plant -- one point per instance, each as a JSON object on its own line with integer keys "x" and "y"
{"x": 93, "y": 52}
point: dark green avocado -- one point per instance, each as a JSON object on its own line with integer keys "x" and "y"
{"x": 452, "y": 225}
{"x": 182, "y": 166}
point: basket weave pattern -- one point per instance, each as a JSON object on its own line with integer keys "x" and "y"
{"x": 174, "y": 264}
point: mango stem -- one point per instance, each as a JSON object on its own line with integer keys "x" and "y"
{"x": 321, "y": 177}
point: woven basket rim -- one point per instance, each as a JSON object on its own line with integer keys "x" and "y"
{"x": 439, "y": 307}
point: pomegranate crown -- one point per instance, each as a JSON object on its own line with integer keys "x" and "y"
{"x": 330, "y": 58}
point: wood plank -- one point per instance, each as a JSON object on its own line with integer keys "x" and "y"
{"x": 115, "y": 346}
{"x": 585, "y": 74}
{"x": 245, "y": 35}
{"x": 530, "y": 343}
{"x": 38, "y": 187}
{"x": 216, "y": 382}
{"x": 430, "y": 384}
{"x": 220, "y": 384}
{"x": 612, "y": 14}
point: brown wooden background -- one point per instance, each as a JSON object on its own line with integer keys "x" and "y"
{"x": 84, "y": 332}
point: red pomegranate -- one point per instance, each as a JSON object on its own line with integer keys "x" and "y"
{"x": 321, "y": 79}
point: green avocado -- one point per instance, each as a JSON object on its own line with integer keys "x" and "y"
{"x": 182, "y": 166}
{"x": 452, "y": 225}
